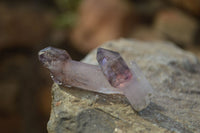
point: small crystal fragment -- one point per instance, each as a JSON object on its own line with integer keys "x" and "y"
{"x": 67, "y": 72}
{"x": 132, "y": 82}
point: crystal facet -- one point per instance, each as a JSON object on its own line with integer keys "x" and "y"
{"x": 132, "y": 82}
{"x": 48, "y": 56}
{"x": 114, "y": 67}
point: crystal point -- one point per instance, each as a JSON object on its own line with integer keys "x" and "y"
{"x": 131, "y": 81}
{"x": 48, "y": 56}
{"x": 114, "y": 67}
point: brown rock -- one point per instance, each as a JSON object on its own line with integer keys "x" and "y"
{"x": 23, "y": 25}
{"x": 100, "y": 21}
{"x": 145, "y": 33}
{"x": 8, "y": 95}
{"x": 176, "y": 26}
{"x": 191, "y": 5}
{"x": 21, "y": 85}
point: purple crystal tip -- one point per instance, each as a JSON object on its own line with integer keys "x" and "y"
{"x": 114, "y": 67}
{"x": 50, "y": 55}
{"x": 131, "y": 81}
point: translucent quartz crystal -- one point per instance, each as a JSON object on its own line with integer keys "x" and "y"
{"x": 132, "y": 82}
{"x": 67, "y": 72}
{"x": 112, "y": 77}
{"x": 114, "y": 67}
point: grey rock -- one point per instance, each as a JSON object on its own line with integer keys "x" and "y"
{"x": 91, "y": 121}
{"x": 175, "y": 106}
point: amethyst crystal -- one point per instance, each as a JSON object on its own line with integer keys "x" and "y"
{"x": 112, "y": 77}
{"x": 132, "y": 82}
{"x": 68, "y": 72}
{"x": 114, "y": 67}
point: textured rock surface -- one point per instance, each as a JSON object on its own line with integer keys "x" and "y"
{"x": 173, "y": 73}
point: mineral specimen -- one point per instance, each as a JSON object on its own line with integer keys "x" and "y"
{"x": 112, "y": 77}
{"x": 132, "y": 82}
{"x": 67, "y": 72}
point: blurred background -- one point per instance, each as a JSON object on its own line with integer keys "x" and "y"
{"x": 26, "y": 26}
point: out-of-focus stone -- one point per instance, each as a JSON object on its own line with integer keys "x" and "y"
{"x": 8, "y": 95}
{"x": 10, "y": 69}
{"x": 176, "y": 26}
{"x": 147, "y": 9}
{"x": 191, "y": 5}
{"x": 23, "y": 25}
{"x": 142, "y": 32}
{"x": 21, "y": 84}
{"x": 173, "y": 73}
{"x": 44, "y": 103}
{"x": 101, "y": 21}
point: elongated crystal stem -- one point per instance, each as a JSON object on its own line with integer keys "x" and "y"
{"x": 67, "y": 72}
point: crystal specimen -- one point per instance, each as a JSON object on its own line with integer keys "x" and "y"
{"x": 68, "y": 72}
{"x": 112, "y": 77}
{"x": 132, "y": 82}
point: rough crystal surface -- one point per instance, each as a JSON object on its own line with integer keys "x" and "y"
{"x": 133, "y": 84}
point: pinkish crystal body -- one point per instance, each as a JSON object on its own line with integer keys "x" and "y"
{"x": 112, "y": 77}
{"x": 67, "y": 72}
{"x": 132, "y": 82}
